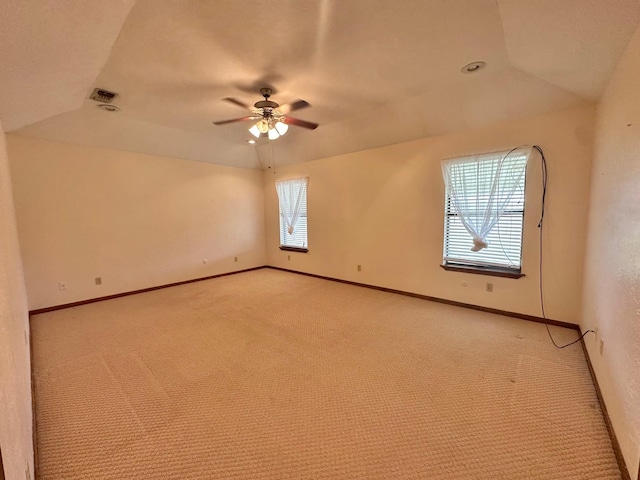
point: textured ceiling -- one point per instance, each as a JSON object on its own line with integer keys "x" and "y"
{"x": 51, "y": 51}
{"x": 375, "y": 72}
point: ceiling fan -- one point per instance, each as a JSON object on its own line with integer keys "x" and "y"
{"x": 271, "y": 119}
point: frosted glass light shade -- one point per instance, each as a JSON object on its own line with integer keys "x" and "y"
{"x": 273, "y": 134}
{"x": 254, "y": 131}
{"x": 282, "y": 128}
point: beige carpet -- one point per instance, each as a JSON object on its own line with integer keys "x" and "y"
{"x": 268, "y": 374}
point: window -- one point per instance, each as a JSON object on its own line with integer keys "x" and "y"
{"x": 292, "y": 198}
{"x": 484, "y": 211}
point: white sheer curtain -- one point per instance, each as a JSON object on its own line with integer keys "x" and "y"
{"x": 480, "y": 187}
{"x": 290, "y": 195}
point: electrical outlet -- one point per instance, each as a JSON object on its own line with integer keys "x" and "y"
{"x": 98, "y": 280}
{"x": 489, "y": 287}
{"x": 62, "y": 285}
{"x": 601, "y": 347}
{"x": 359, "y": 268}
{"x": 235, "y": 259}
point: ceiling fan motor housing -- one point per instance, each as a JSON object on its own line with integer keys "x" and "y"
{"x": 266, "y": 103}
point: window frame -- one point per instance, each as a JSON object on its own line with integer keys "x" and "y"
{"x": 468, "y": 265}
{"x": 282, "y": 224}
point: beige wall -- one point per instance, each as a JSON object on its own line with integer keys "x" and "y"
{"x": 15, "y": 366}
{"x": 612, "y": 274}
{"x": 383, "y": 209}
{"x": 135, "y": 220}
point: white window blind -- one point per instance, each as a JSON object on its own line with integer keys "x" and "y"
{"x": 484, "y": 210}
{"x": 292, "y": 196}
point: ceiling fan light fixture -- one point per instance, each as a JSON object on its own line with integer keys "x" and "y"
{"x": 273, "y": 134}
{"x": 254, "y": 131}
{"x": 282, "y": 128}
{"x": 263, "y": 126}
{"x": 269, "y": 117}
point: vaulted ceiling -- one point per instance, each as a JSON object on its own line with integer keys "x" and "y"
{"x": 375, "y": 72}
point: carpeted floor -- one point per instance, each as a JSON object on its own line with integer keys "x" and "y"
{"x": 273, "y": 375}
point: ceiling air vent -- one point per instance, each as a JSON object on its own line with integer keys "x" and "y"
{"x": 103, "y": 96}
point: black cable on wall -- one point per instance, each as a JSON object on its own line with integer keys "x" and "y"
{"x": 540, "y": 225}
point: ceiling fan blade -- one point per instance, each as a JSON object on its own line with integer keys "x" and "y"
{"x": 238, "y": 103}
{"x": 290, "y": 107}
{"x": 300, "y": 123}
{"x": 241, "y": 119}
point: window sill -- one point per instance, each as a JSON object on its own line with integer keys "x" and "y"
{"x": 494, "y": 272}
{"x": 294, "y": 249}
